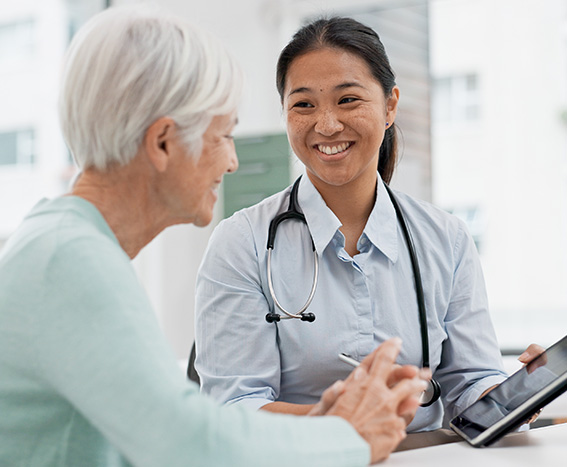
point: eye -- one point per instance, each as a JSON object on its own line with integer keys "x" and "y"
{"x": 348, "y": 100}
{"x": 303, "y": 105}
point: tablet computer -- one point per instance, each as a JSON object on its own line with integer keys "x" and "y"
{"x": 516, "y": 399}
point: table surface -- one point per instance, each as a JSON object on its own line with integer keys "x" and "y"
{"x": 545, "y": 446}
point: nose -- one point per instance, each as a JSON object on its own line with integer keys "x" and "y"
{"x": 328, "y": 123}
{"x": 232, "y": 161}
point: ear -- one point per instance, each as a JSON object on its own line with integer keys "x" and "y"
{"x": 158, "y": 142}
{"x": 392, "y": 105}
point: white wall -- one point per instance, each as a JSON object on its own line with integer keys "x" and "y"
{"x": 25, "y": 104}
{"x": 513, "y": 162}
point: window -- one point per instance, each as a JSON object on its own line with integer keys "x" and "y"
{"x": 17, "y": 148}
{"x": 456, "y": 99}
{"x": 17, "y": 43}
{"x": 499, "y": 149}
{"x": 472, "y": 216}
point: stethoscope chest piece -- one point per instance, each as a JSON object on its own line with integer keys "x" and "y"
{"x": 431, "y": 394}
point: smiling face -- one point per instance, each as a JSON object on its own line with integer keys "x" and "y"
{"x": 336, "y": 115}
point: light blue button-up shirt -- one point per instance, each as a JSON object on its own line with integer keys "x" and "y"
{"x": 359, "y": 303}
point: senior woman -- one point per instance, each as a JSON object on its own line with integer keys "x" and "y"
{"x": 87, "y": 379}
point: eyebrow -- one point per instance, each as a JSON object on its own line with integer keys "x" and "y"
{"x": 337, "y": 87}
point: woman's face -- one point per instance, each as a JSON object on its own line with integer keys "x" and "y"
{"x": 336, "y": 115}
{"x": 196, "y": 180}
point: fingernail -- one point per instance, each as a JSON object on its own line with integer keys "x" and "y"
{"x": 523, "y": 356}
{"x": 397, "y": 341}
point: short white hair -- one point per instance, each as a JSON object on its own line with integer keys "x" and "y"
{"x": 128, "y": 67}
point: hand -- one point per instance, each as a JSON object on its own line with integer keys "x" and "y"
{"x": 376, "y": 398}
{"x": 527, "y": 358}
{"x": 328, "y": 399}
{"x": 397, "y": 374}
{"x": 530, "y": 354}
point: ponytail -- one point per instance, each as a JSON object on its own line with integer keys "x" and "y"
{"x": 388, "y": 155}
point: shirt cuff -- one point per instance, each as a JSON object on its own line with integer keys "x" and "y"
{"x": 473, "y": 394}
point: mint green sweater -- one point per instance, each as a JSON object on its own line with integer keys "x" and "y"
{"x": 88, "y": 379}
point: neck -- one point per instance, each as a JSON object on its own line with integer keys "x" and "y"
{"x": 126, "y": 203}
{"x": 352, "y": 203}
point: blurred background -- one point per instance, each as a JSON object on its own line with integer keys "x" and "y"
{"x": 483, "y": 120}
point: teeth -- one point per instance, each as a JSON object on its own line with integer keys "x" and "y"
{"x": 333, "y": 150}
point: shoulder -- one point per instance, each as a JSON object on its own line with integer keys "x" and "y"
{"x": 252, "y": 222}
{"x": 66, "y": 237}
{"x": 431, "y": 222}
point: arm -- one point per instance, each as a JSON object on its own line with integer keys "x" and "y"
{"x": 289, "y": 408}
{"x": 471, "y": 361}
{"x": 238, "y": 357}
{"x": 99, "y": 346}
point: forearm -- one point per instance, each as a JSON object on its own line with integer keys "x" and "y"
{"x": 288, "y": 408}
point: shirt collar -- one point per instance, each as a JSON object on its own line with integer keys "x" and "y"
{"x": 322, "y": 222}
{"x": 381, "y": 228}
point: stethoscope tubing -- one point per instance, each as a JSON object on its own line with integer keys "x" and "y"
{"x": 293, "y": 212}
{"x": 299, "y": 314}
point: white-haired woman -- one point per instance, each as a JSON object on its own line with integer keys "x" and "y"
{"x": 147, "y": 108}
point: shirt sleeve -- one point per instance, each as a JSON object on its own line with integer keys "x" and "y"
{"x": 231, "y": 307}
{"x": 471, "y": 341}
{"x": 98, "y": 344}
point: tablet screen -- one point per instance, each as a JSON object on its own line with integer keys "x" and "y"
{"x": 508, "y": 405}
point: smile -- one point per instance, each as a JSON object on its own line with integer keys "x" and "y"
{"x": 329, "y": 150}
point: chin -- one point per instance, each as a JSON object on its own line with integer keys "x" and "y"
{"x": 202, "y": 222}
{"x": 202, "y": 219}
{"x": 334, "y": 177}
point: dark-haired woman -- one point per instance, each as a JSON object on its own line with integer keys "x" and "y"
{"x": 340, "y": 99}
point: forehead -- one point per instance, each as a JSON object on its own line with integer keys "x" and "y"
{"x": 328, "y": 66}
{"x": 222, "y": 122}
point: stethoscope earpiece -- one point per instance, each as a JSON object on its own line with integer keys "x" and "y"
{"x": 272, "y": 317}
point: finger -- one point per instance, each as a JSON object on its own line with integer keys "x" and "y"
{"x": 352, "y": 393}
{"x": 329, "y": 397}
{"x": 366, "y": 362}
{"x": 399, "y": 373}
{"x": 409, "y": 388}
{"x": 530, "y": 353}
{"x": 425, "y": 374}
{"x": 385, "y": 358}
{"x": 408, "y": 408}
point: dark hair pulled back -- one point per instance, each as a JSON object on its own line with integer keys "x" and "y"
{"x": 360, "y": 40}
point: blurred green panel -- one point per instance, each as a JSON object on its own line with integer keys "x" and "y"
{"x": 263, "y": 170}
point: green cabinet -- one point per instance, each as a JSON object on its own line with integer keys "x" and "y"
{"x": 263, "y": 169}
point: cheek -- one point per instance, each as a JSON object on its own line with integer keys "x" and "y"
{"x": 371, "y": 127}
{"x": 297, "y": 126}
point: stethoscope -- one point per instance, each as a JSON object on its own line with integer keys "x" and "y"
{"x": 433, "y": 392}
